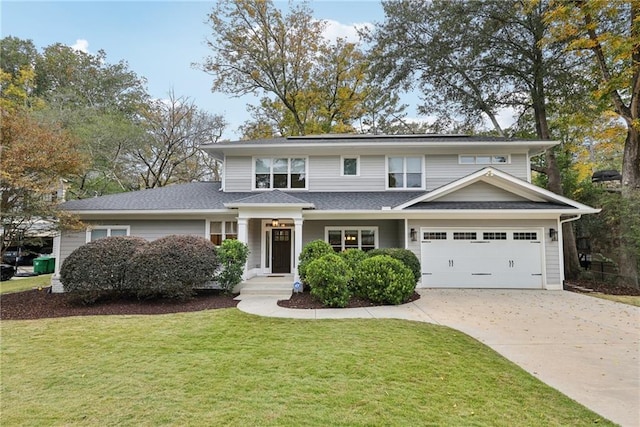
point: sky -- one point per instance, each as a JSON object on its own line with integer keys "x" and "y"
{"x": 161, "y": 39}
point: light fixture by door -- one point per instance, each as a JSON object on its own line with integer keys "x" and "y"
{"x": 413, "y": 234}
{"x": 275, "y": 222}
{"x": 553, "y": 234}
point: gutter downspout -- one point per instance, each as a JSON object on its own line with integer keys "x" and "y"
{"x": 560, "y": 242}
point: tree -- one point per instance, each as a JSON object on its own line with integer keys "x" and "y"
{"x": 175, "y": 129}
{"x": 609, "y": 32}
{"x": 316, "y": 85}
{"x": 34, "y": 158}
{"x": 472, "y": 57}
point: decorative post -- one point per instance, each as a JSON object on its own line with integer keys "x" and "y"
{"x": 297, "y": 245}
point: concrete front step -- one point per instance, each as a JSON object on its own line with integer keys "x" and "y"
{"x": 281, "y": 287}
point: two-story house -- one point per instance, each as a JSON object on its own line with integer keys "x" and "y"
{"x": 464, "y": 205}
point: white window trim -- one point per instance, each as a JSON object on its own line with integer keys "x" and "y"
{"x": 223, "y": 228}
{"x": 106, "y": 227}
{"x": 306, "y": 173}
{"x": 475, "y": 162}
{"x": 342, "y": 159}
{"x": 404, "y": 167}
{"x": 343, "y": 228}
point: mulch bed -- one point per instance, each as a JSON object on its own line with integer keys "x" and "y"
{"x": 304, "y": 300}
{"x": 39, "y": 304}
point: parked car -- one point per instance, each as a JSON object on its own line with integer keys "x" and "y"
{"x": 18, "y": 257}
{"x": 6, "y": 272}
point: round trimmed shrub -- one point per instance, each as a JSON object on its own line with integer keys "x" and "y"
{"x": 386, "y": 280}
{"x": 310, "y": 252}
{"x": 328, "y": 277}
{"x": 407, "y": 257}
{"x": 172, "y": 267}
{"x": 99, "y": 268}
{"x": 232, "y": 255}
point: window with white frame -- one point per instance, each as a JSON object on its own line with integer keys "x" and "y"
{"x": 222, "y": 230}
{"x": 350, "y": 166}
{"x": 280, "y": 172}
{"x": 343, "y": 238}
{"x": 483, "y": 159}
{"x": 404, "y": 172}
{"x": 102, "y": 231}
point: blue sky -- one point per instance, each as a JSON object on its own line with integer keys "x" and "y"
{"x": 158, "y": 39}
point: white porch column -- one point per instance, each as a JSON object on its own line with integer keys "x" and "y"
{"x": 243, "y": 236}
{"x": 297, "y": 245}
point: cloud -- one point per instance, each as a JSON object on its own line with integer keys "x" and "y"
{"x": 81, "y": 45}
{"x": 335, "y": 30}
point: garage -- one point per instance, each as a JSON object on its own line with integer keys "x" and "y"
{"x": 482, "y": 258}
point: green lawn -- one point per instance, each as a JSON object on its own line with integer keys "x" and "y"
{"x": 225, "y": 367}
{"x": 625, "y": 299}
{"x": 24, "y": 284}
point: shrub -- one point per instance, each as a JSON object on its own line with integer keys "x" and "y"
{"x": 385, "y": 280}
{"x": 310, "y": 252}
{"x": 172, "y": 267}
{"x": 232, "y": 255}
{"x": 407, "y": 257}
{"x": 328, "y": 277}
{"x": 353, "y": 258}
{"x": 98, "y": 268}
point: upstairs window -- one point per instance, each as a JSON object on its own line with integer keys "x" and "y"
{"x": 280, "y": 172}
{"x": 483, "y": 159}
{"x": 350, "y": 166}
{"x": 404, "y": 172}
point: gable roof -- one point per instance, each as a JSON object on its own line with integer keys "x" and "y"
{"x": 527, "y": 191}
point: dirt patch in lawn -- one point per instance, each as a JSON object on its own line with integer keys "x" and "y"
{"x": 39, "y": 304}
{"x": 583, "y": 286}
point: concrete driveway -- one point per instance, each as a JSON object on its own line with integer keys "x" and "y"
{"x": 585, "y": 347}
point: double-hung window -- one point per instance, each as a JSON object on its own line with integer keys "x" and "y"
{"x": 484, "y": 159}
{"x": 404, "y": 172}
{"x": 223, "y": 230}
{"x": 102, "y": 231}
{"x": 280, "y": 172}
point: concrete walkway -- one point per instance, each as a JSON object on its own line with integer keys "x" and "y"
{"x": 585, "y": 347}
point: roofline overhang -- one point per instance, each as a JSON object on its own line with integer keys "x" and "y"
{"x": 270, "y": 205}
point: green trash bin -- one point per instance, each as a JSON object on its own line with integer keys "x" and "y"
{"x": 44, "y": 265}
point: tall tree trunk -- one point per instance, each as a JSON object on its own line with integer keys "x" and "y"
{"x": 628, "y": 261}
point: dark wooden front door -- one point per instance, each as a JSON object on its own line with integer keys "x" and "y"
{"x": 281, "y": 251}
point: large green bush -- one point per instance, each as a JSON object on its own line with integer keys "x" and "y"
{"x": 173, "y": 267}
{"x": 328, "y": 277}
{"x": 310, "y": 252}
{"x": 99, "y": 268}
{"x": 353, "y": 258}
{"x": 407, "y": 257}
{"x": 232, "y": 255}
{"x": 386, "y": 280}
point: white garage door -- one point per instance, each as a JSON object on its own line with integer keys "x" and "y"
{"x": 481, "y": 258}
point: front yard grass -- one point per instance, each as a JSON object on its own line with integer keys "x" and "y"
{"x": 625, "y": 299}
{"x": 225, "y": 367}
{"x": 25, "y": 284}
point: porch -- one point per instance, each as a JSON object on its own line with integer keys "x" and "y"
{"x": 279, "y": 286}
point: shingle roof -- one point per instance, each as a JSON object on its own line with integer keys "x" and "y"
{"x": 207, "y": 196}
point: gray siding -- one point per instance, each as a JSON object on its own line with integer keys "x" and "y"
{"x": 388, "y": 236}
{"x": 324, "y": 174}
{"x": 551, "y": 249}
{"x": 150, "y": 230}
{"x": 444, "y": 168}
{"x": 480, "y": 192}
{"x": 237, "y": 174}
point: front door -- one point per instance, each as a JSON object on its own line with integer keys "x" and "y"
{"x": 281, "y": 250}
